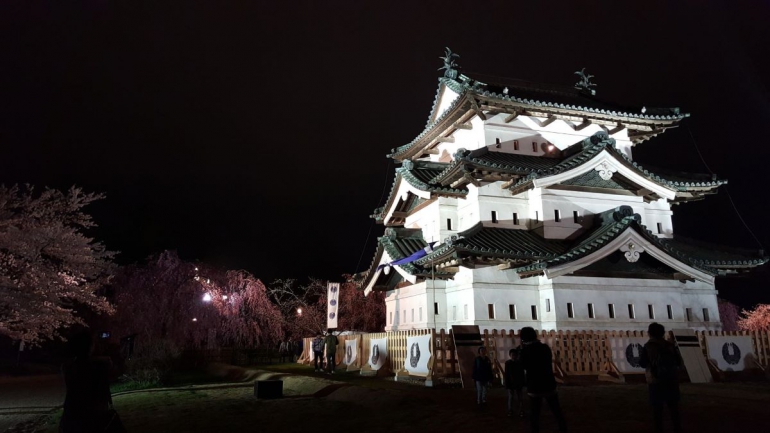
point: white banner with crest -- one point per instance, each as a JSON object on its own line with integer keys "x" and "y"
{"x": 730, "y": 352}
{"x": 378, "y": 353}
{"x": 351, "y": 351}
{"x": 626, "y": 352}
{"x": 332, "y": 304}
{"x": 418, "y": 354}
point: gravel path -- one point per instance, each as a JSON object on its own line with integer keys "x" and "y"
{"x": 24, "y": 399}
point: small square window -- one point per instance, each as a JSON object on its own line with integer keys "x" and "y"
{"x": 611, "y": 308}
{"x": 651, "y": 311}
{"x": 688, "y": 314}
{"x": 465, "y": 311}
{"x": 515, "y": 219}
{"x": 591, "y": 311}
{"x": 515, "y": 144}
{"x": 570, "y": 310}
{"x": 449, "y": 223}
{"x": 512, "y": 311}
{"x": 576, "y": 217}
{"x": 670, "y": 312}
{"x": 557, "y": 215}
{"x": 435, "y": 308}
{"x": 547, "y": 305}
{"x": 706, "y": 315}
{"x": 494, "y": 216}
{"x": 491, "y": 310}
{"x": 534, "y": 312}
{"x": 631, "y": 313}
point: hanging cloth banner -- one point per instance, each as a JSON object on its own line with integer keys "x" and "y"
{"x": 418, "y": 355}
{"x": 351, "y": 351}
{"x": 332, "y": 304}
{"x": 378, "y": 352}
{"x": 416, "y": 256}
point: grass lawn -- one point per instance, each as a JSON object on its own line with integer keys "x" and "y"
{"x": 369, "y": 404}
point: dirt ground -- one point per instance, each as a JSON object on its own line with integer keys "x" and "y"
{"x": 350, "y": 402}
{"x": 24, "y": 399}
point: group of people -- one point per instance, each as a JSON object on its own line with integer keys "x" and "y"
{"x": 289, "y": 350}
{"x": 329, "y": 343}
{"x": 530, "y": 366}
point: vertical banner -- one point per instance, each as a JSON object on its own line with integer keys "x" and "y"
{"x": 418, "y": 355}
{"x": 332, "y": 304}
{"x": 351, "y": 351}
{"x": 378, "y": 352}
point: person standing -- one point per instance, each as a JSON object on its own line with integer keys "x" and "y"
{"x": 514, "y": 381}
{"x": 331, "y": 342}
{"x": 283, "y": 350}
{"x": 537, "y": 360}
{"x": 318, "y": 353}
{"x": 661, "y": 362}
{"x": 482, "y": 375}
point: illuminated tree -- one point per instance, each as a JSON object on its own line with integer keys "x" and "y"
{"x": 50, "y": 271}
{"x": 757, "y": 319}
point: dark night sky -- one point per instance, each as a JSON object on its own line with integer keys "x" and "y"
{"x": 254, "y": 135}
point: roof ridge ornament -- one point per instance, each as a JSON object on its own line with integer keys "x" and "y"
{"x": 450, "y": 66}
{"x": 585, "y": 83}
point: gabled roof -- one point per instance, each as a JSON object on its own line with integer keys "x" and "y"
{"x": 417, "y": 175}
{"x": 713, "y": 260}
{"x": 395, "y": 244}
{"x": 536, "y": 100}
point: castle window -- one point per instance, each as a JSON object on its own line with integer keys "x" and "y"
{"x": 534, "y": 146}
{"x": 631, "y": 313}
{"x": 465, "y": 311}
{"x": 705, "y": 314}
{"x": 420, "y": 314}
{"x": 497, "y": 143}
{"x": 576, "y": 217}
{"x": 537, "y": 216}
{"x": 591, "y": 311}
{"x": 670, "y": 312}
{"x": 404, "y": 316}
{"x": 391, "y": 317}
{"x": 534, "y": 312}
{"x": 512, "y": 311}
{"x": 570, "y": 310}
{"x": 449, "y": 223}
{"x": 612, "y": 310}
{"x": 515, "y": 144}
{"x": 547, "y": 305}
{"x": 688, "y": 313}
{"x": 412, "y": 315}
{"x": 651, "y": 311}
{"x": 660, "y": 228}
{"x": 515, "y": 219}
{"x": 557, "y": 215}
{"x": 494, "y": 216}
{"x": 435, "y": 308}
{"x": 491, "y": 310}
{"x": 454, "y": 312}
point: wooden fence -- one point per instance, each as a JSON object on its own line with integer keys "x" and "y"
{"x": 575, "y": 353}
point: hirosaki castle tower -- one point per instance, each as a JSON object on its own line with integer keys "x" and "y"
{"x": 539, "y": 216}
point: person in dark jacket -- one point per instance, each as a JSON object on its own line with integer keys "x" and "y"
{"x": 318, "y": 353}
{"x": 482, "y": 375}
{"x": 537, "y": 360}
{"x": 331, "y": 343}
{"x": 514, "y": 380}
{"x": 661, "y": 362}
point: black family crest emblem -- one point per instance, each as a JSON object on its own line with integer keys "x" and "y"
{"x": 731, "y": 353}
{"x": 414, "y": 355}
{"x": 349, "y": 354}
{"x": 634, "y": 355}
{"x": 375, "y": 354}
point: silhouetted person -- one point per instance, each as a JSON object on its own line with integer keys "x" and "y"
{"x": 514, "y": 380}
{"x": 331, "y": 342}
{"x": 88, "y": 402}
{"x": 536, "y": 358}
{"x": 661, "y": 362}
{"x": 482, "y": 375}
{"x": 318, "y": 353}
